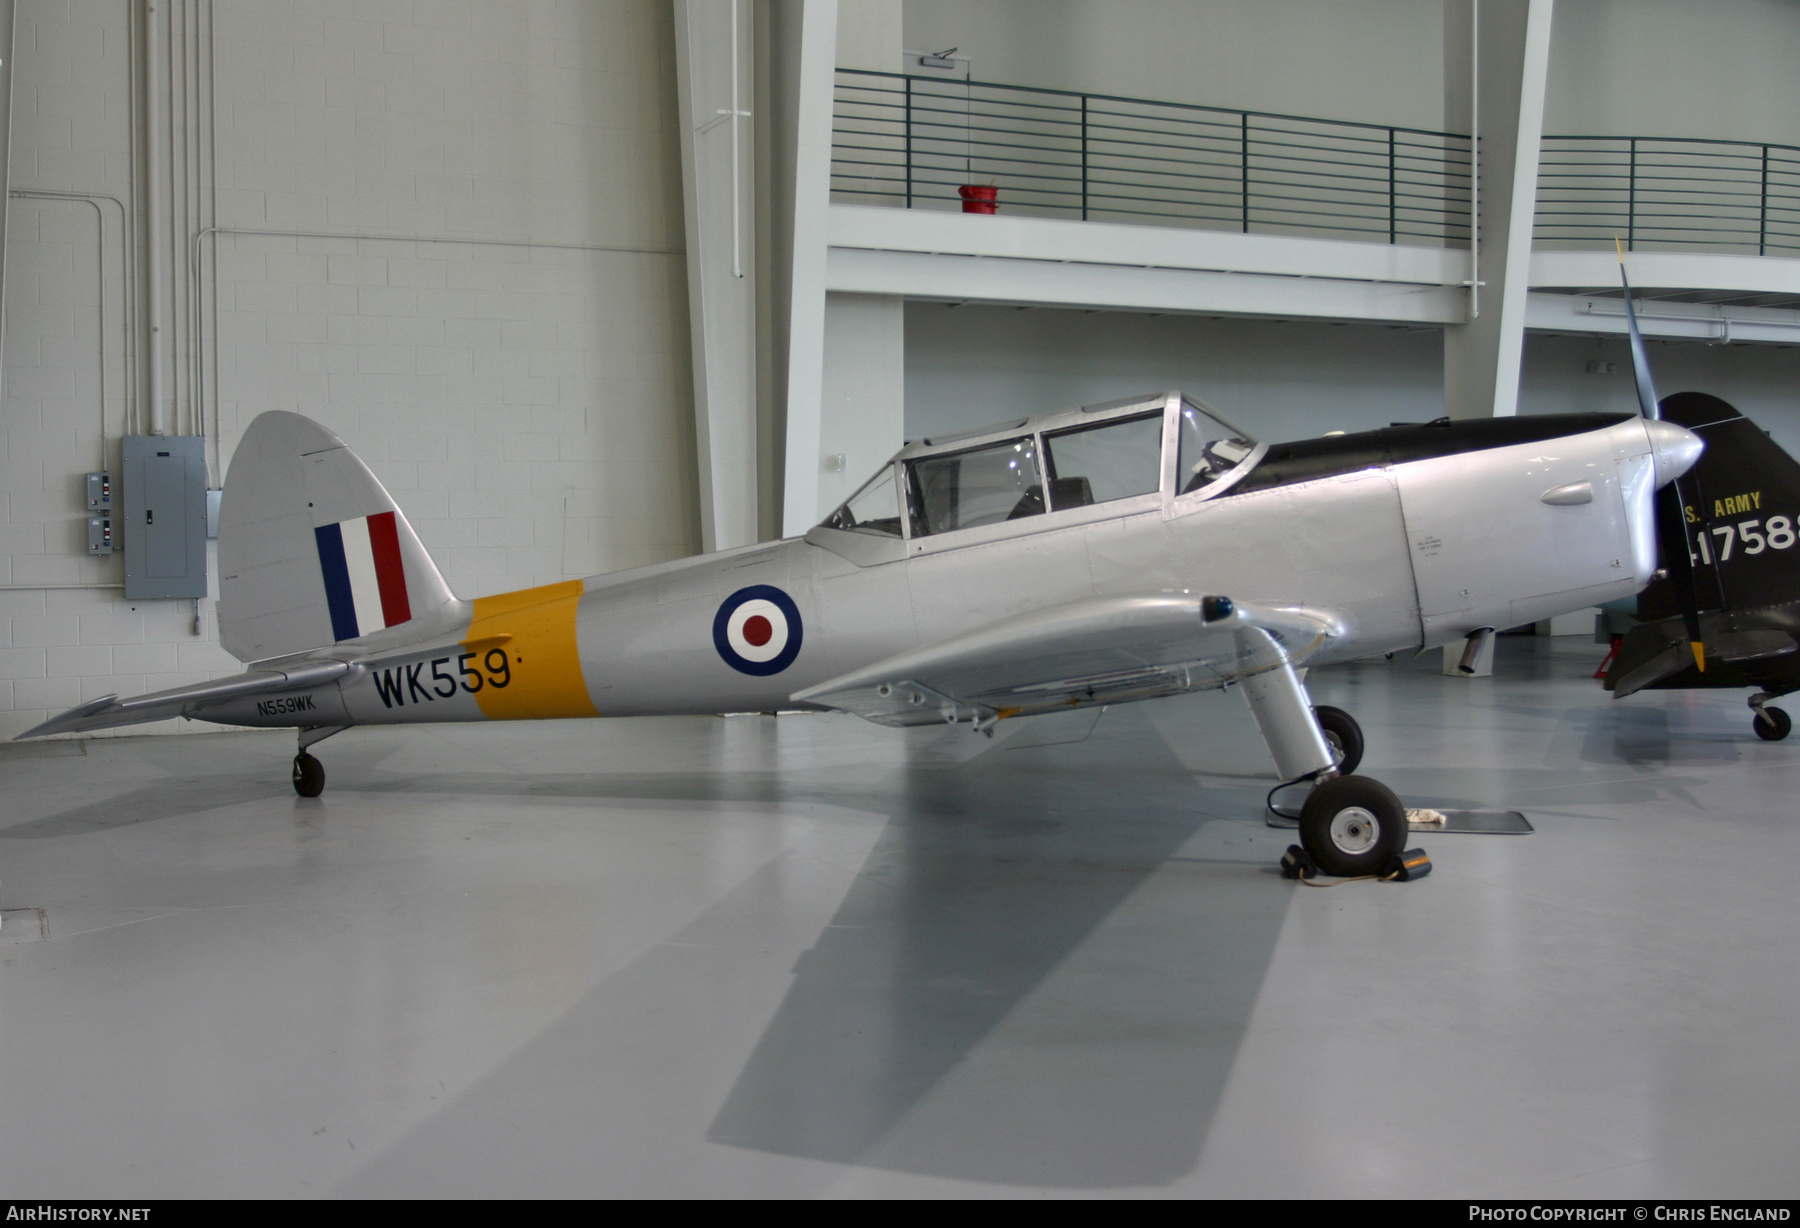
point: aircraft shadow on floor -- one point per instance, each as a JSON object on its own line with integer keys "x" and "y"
{"x": 968, "y": 1012}
{"x": 207, "y": 781}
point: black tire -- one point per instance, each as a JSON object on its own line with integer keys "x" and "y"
{"x": 1352, "y": 825}
{"x": 1343, "y": 735}
{"x": 309, "y": 775}
{"x": 1772, "y": 724}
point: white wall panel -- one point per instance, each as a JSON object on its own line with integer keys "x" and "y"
{"x": 1721, "y": 70}
{"x": 1380, "y": 61}
{"x": 971, "y": 365}
{"x": 528, "y": 405}
{"x": 1763, "y": 381}
{"x": 862, "y": 408}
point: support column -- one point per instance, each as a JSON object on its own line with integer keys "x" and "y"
{"x": 862, "y": 407}
{"x": 816, "y": 62}
{"x": 6, "y": 73}
{"x": 1481, "y": 357}
{"x": 714, "y": 67}
{"x": 862, "y": 402}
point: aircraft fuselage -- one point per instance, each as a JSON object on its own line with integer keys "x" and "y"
{"x": 1414, "y": 540}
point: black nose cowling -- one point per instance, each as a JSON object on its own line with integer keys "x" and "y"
{"x": 1212, "y": 609}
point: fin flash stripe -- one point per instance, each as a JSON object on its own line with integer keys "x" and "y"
{"x": 365, "y": 580}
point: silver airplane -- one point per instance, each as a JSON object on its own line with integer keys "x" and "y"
{"x": 1140, "y": 548}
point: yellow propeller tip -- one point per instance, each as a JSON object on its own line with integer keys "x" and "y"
{"x": 1700, "y": 655}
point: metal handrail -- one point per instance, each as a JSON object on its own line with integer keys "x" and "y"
{"x": 1677, "y": 192}
{"x": 914, "y": 140}
{"x": 1179, "y": 106}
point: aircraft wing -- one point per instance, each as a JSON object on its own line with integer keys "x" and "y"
{"x": 1096, "y": 650}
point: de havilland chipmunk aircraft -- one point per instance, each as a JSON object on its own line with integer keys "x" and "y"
{"x": 1098, "y": 555}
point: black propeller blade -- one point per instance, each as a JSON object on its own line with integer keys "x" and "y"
{"x": 1671, "y": 500}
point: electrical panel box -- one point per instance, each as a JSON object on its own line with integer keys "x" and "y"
{"x": 100, "y": 538}
{"x": 163, "y": 529}
{"x": 99, "y": 492}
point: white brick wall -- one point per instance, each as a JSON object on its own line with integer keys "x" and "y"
{"x": 528, "y": 406}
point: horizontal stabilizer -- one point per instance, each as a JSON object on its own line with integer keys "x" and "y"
{"x": 1098, "y": 650}
{"x": 1737, "y": 647}
{"x": 1654, "y": 653}
{"x": 110, "y": 711}
{"x": 294, "y": 673}
{"x": 1664, "y": 662}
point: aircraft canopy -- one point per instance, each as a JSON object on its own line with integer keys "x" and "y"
{"x": 1040, "y": 466}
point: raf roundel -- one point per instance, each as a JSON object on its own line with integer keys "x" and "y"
{"x": 757, "y": 630}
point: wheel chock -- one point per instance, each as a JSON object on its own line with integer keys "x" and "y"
{"x": 1298, "y": 863}
{"x": 1404, "y": 867}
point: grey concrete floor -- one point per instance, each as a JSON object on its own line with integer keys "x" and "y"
{"x": 805, "y": 956}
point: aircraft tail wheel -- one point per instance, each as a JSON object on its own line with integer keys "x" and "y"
{"x": 1772, "y": 724}
{"x": 309, "y": 775}
{"x": 1352, "y": 825}
{"x": 1343, "y": 735}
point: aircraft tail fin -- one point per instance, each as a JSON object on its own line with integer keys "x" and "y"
{"x": 313, "y": 551}
{"x": 1743, "y": 509}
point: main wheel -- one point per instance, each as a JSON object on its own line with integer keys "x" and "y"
{"x": 1772, "y": 724}
{"x": 309, "y": 775}
{"x": 1343, "y": 735}
{"x": 1351, "y": 825}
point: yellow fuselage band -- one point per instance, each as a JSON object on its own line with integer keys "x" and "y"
{"x": 543, "y": 657}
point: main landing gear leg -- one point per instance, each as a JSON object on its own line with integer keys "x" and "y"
{"x": 1350, "y": 825}
{"x": 1771, "y": 724}
{"x": 309, "y": 773}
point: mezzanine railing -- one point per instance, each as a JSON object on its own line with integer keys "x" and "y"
{"x": 919, "y": 141}
{"x": 916, "y": 141}
{"x": 1668, "y": 192}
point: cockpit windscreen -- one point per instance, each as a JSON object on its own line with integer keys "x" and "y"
{"x": 1209, "y": 449}
{"x": 873, "y": 509}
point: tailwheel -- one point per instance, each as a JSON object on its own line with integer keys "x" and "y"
{"x": 309, "y": 775}
{"x": 1352, "y": 825}
{"x": 1772, "y": 724}
{"x": 1343, "y": 735}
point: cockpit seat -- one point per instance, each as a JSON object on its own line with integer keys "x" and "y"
{"x": 1071, "y": 492}
{"x": 1031, "y": 503}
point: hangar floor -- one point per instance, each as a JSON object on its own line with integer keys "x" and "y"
{"x": 806, "y": 956}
